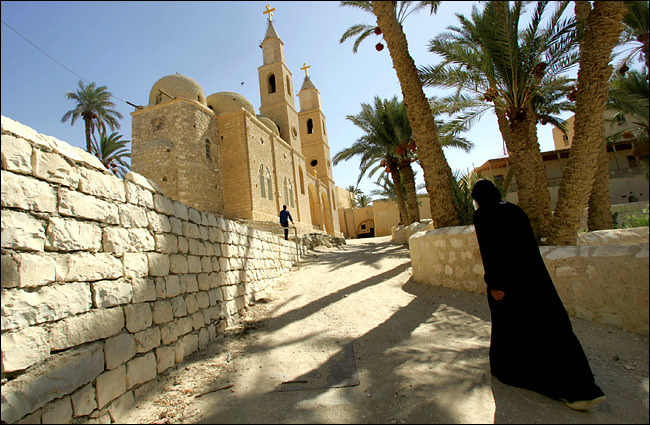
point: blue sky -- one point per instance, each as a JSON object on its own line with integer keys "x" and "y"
{"x": 128, "y": 46}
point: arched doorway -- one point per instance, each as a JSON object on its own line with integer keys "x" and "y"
{"x": 366, "y": 229}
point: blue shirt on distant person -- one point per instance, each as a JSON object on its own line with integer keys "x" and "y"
{"x": 285, "y": 216}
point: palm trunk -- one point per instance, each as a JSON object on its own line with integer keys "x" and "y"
{"x": 603, "y": 27}
{"x": 412, "y": 207}
{"x": 401, "y": 205}
{"x": 600, "y": 201}
{"x": 543, "y": 197}
{"x": 89, "y": 146}
{"x": 425, "y": 133}
{"x": 526, "y": 174}
{"x": 527, "y": 167}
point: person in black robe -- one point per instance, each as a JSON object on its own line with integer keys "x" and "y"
{"x": 532, "y": 342}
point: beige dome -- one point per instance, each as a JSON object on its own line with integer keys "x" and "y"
{"x": 270, "y": 124}
{"x": 227, "y": 102}
{"x": 178, "y": 86}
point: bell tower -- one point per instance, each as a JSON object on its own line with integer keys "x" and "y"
{"x": 315, "y": 148}
{"x": 276, "y": 87}
{"x": 313, "y": 132}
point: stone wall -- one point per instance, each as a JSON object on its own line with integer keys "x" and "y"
{"x": 606, "y": 283}
{"x": 106, "y": 283}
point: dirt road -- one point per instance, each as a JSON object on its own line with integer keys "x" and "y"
{"x": 348, "y": 338}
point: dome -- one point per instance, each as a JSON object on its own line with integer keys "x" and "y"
{"x": 227, "y": 102}
{"x": 178, "y": 86}
{"x": 270, "y": 124}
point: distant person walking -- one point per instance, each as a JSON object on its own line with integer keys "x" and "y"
{"x": 285, "y": 216}
{"x": 532, "y": 342}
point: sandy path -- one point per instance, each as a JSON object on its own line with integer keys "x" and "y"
{"x": 420, "y": 355}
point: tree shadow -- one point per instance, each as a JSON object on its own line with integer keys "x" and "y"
{"x": 425, "y": 352}
{"x": 313, "y": 307}
{"x": 375, "y": 253}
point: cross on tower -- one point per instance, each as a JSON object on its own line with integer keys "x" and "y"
{"x": 269, "y": 12}
{"x": 304, "y": 68}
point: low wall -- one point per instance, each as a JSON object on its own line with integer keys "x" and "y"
{"x": 402, "y": 233}
{"x": 106, "y": 283}
{"x": 605, "y": 283}
{"x": 618, "y": 236}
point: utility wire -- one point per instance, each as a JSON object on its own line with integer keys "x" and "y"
{"x": 42, "y": 51}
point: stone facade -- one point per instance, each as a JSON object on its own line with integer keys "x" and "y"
{"x": 604, "y": 280}
{"x": 216, "y": 155}
{"x": 107, "y": 283}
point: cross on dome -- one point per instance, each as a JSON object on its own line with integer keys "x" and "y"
{"x": 269, "y": 12}
{"x": 304, "y": 68}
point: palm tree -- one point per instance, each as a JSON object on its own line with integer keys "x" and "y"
{"x": 433, "y": 161}
{"x": 462, "y": 189}
{"x": 387, "y": 191}
{"x": 354, "y": 191}
{"x": 112, "y": 152}
{"x": 629, "y": 95}
{"x": 94, "y": 107}
{"x": 363, "y": 31}
{"x": 386, "y": 188}
{"x": 601, "y": 27}
{"x": 637, "y": 20}
{"x": 364, "y": 200}
{"x": 376, "y": 147}
{"x": 398, "y": 131}
{"x": 520, "y": 73}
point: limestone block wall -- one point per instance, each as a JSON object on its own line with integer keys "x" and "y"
{"x": 106, "y": 283}
{"x": 402, "y": 233}
{"x": 606, "y": 283}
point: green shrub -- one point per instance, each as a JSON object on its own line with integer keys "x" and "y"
{"x": 639, "y": 219}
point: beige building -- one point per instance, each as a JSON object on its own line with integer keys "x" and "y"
{"x": 377, "y": 219}
{"x": 627, "y": 182}
{"x": 215, "y": 153}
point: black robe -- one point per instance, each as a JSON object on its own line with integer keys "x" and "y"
{"x": 532, "y": 342}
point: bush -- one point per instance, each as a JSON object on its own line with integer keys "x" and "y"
{"x": 461, "y": 191}
{"x": 639, "y": 219}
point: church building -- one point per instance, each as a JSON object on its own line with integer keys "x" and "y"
{"x": 214, "y": 153}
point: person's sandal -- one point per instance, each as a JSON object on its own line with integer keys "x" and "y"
{"x": 585, "y": 404}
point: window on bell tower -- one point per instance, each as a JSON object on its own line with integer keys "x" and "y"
{"x": 310, "y": 126}
{"x": 271, "y": 84}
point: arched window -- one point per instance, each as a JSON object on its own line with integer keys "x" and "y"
{"x": 207, "y": 148}
{"x": 302, "y": 181}
{"x": 262, "y": 183}
{"x": 310, "y": 126}
{"x": 271, "y": 84}
{"x": 291, "y": 194}
{"x": 268, "y": 184}
{"x": 288, "y": 86}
